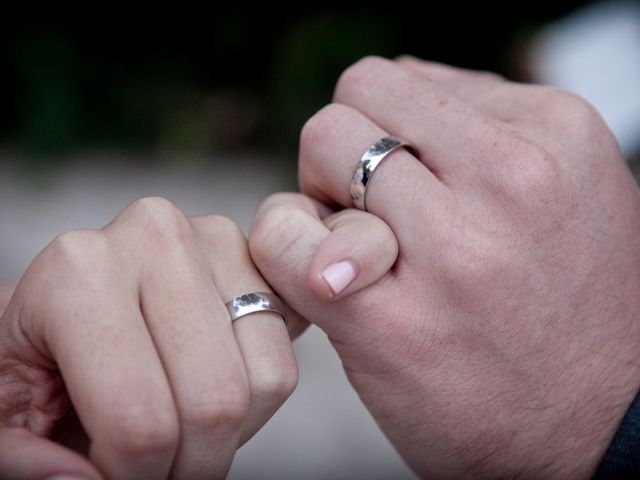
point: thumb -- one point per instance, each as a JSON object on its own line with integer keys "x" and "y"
{"x": 26, "y": 456}
{"x": 301, "y": 256}
{"x": 341, "y": 253}
{"x": 358, "y": 250}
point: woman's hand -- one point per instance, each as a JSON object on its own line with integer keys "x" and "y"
{"x": 504, "y": 341}
{"x": 126, "y": 327}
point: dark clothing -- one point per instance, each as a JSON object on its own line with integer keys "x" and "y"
{"x": 622, "y": 459}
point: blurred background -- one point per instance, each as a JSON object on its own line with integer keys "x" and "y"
{"x": 204, "y": 107}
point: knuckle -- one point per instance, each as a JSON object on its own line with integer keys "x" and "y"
{"x": 225, "y": 410}
{"x": 78, "y": 261}
{"x": 528, "y": 173}
{"x": 226, "y": 225}
{"x": 221, "y": 237}
{"x": 322, "y": 127}
{"x": 490, "y": 77}
{"x": 158, "y": 213}
{"x": 139, "y": 432}
{"x": 163, "y": 220}
{"x": 78, "y": 252}
{"x": 79, "y": 242}
{"x": 326, "y": 128}
{"x": 223, "y": 228}
{"x": 155, "y": 207}
{"x": 360, "y": 73}
{"x": 274, "y": 381}
{"x": 571, "y": 114}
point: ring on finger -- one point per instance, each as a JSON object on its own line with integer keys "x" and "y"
{"x": 248, "y": 303}
{"x": 373, "y": 157}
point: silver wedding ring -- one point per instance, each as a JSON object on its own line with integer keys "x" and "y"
{"x": 369, "y": 162}
{"x": 255, "y": 302}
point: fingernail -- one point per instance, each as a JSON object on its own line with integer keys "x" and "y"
{"x": 339, "y": 275}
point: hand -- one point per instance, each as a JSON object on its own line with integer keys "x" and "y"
{"x": 127, "y": 326}
{"x": 504, "y": 340}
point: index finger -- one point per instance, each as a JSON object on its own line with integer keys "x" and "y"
{"x": 91, "y": 326}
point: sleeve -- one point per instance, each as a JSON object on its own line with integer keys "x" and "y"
{"x": 622, "y": 459}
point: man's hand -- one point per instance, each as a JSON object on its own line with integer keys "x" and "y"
{"x": 126, "y": 327}
{"x": 505, "y": 340}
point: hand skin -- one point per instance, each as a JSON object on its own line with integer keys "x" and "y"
{"x": 126, "y": 328}
{"x": 505, "y": 340}
{"x": 5, "y": 294}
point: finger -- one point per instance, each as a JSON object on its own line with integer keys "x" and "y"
{"x": 448, "y": 132}
{"x": 331, "y": 144}
{"x": 486, "y": 91}
{"x": 263, "y": 337}
{"x": 25, "y": 456}
{"x": 514, "y": 104}
{"x": 89, "y": 323}
{"x": 441, "y": 72}
{"x": 358, "y": 250}
{"x": 191, "y": 330}
{"x": 285, "y": 235}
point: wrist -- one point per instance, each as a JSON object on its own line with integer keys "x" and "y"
{"x": 596, "y": 428}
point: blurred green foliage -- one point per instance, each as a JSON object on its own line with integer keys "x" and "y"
{"x": 225, "y": 78}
